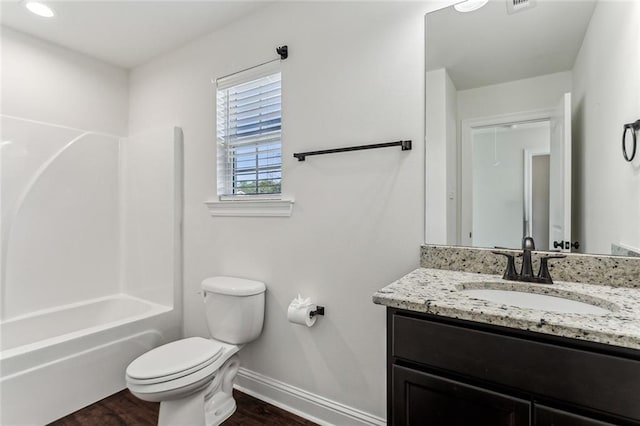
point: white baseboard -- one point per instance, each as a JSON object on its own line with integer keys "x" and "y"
{"x": 301, "y": 402}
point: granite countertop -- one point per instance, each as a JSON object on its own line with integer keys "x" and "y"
{"x": 436, "y": 292}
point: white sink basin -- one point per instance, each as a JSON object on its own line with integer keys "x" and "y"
{"x": 543, "y": 302}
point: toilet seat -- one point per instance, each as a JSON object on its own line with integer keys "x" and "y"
{"x": 174, "y": 360}
{"x": 186, "y": 383}
{"x": 187, "y": 363}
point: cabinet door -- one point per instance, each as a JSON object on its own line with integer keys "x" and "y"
{"x": 545, "y": 416}
{"x": 426, "y": 400}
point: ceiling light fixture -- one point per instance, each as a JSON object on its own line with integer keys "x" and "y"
{"x": 40, "y": 9}
{"x": 470, "y": 5}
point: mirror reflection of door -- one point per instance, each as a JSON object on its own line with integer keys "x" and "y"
{"x": 520, "y": 177}
{"x": 500, "y": 201}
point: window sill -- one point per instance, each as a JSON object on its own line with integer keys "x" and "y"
{"x": 251, "y": 207}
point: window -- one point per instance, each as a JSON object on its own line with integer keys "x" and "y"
{"x": 249, "y": 132}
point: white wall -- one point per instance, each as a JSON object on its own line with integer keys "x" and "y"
{"x": 441, "y": 163}
{"x": 45, "y": 82}
{"x": 606, "y": 204}
{"x": 515, "y": 96}
{"x": 452, "y": 161}
{"x": 355, "y": 75}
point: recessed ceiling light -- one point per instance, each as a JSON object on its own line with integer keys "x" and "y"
{"x": 470, "y": 5}
{"x": 40, "y": 9}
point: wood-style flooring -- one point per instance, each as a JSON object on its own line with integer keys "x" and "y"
{"x": 124, "y": 409}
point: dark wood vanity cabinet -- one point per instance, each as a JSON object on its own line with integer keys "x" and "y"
{"x": 550, "y": 416}
{"x": 447, "y": 372}
{"x": 427, "y": 399}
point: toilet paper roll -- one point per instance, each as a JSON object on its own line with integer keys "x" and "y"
{"x": 301, "y": 314}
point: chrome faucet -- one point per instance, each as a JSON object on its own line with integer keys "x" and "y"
{"x": 526, "y": 272}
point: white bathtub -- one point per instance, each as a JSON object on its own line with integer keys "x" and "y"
{"x": 57, "y": 361}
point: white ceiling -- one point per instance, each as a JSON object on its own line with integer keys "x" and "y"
{"x": 489, "y": 46}
{"x": 125, "y": 33}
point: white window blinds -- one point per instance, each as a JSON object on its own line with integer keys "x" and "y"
{"x": 248, "y": 132}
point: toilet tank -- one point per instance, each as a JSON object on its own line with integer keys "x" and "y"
{"x": 234, "y": 308}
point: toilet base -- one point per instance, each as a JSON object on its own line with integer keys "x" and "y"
{"x": 189, "y": 411}
{"x": 219, "y": 408}
{"x": 207, "y": 407}
{"x": 185, "y": 411}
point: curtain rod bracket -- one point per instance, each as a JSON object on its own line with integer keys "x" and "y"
{"x": 283, "y": 51}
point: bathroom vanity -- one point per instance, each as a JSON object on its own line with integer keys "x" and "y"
{"x": 456, "y": 359}
{"x": 448, "y": 372}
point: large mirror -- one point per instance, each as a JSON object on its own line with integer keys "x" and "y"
{"x": 525, "y": 107}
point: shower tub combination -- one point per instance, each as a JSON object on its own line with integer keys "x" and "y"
{"x": 56, "y": 361}
{"x": 89, "y": 282}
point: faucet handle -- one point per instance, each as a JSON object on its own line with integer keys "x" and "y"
{"x": 544, "y": 275}
{"x": 528, "y": 243}
{"x": 510, "y": 273}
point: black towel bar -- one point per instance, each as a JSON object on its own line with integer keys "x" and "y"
{"x": 405, "y": 145}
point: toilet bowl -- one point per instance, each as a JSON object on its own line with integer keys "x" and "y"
{"x": 193, "y": 378}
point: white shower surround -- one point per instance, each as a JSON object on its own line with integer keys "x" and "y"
{"x": 60, "y": 196}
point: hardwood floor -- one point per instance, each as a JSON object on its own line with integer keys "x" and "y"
{"x": 124, "y": 409}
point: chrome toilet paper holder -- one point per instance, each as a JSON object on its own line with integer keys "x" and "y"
{"x": 318, "y": 311}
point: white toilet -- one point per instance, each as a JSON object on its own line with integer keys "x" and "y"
{"x": 193, "y": 378}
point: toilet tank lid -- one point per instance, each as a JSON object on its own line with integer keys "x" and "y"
{"x": 233, "y": 286}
